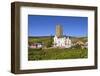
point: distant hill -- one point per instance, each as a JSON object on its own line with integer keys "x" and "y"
{"x": 40, "y": 36}
{"x": 44, "y": 39}
{"x": 53, "y": 36}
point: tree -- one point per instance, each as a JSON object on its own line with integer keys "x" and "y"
{"x": 49, "y": 42}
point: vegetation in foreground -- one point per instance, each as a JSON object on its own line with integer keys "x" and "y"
{"x": 56, "y": 53}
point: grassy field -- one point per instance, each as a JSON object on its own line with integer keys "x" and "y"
{"x": 56, "y": 53}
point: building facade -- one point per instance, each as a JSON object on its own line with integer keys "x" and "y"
{"x": 60, "y": 40}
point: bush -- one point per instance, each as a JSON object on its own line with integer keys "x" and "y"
{"x": 56, "y": 53}
{"x": 49, "y": 42}
{"x": 76, "y": 46}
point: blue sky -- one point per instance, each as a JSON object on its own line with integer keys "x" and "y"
{"x": 42, "y": 25}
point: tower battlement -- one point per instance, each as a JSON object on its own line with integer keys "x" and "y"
{"x": 59, "y": 30}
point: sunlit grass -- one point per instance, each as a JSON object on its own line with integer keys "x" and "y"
{"x": 57, "y": 53}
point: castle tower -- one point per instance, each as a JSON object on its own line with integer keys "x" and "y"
{"x": 59, "y": 31}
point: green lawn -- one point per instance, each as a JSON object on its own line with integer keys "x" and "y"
{"x": 56, "y": 53}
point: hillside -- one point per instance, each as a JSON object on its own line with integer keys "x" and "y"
{"x": 45, "y": 38}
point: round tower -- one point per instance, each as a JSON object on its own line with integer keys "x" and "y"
{"x": 59, "y": 31}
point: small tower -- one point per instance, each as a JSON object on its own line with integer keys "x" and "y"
{"x": 59, "y": 31}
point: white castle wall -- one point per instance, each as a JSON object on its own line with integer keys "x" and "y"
{"x": 62, "y": 42}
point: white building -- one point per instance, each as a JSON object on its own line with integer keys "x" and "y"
{"x": 62, "y": 42}
{"x": 59, "y": 40}
{"x": 36, "y": 45}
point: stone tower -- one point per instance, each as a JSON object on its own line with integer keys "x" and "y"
{"x": 59, "y": 31}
